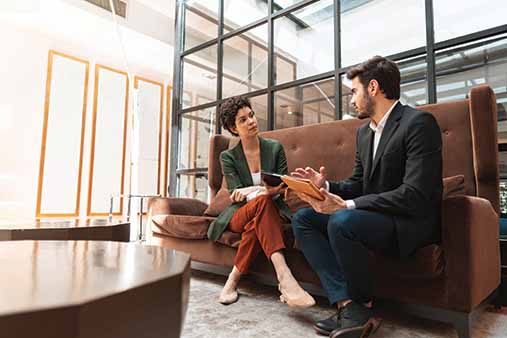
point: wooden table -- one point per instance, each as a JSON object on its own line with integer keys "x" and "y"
{"x": 92, "y": 289}
{"x": 74, "y": 229}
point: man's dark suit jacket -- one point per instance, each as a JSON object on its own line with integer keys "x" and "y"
{"x": 404, "y": 179}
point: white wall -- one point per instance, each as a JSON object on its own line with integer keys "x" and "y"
{"x": 28, "y": 33}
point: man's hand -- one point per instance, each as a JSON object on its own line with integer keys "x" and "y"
{"x": 331, "y": 203}
{"x": 317, "y": 178}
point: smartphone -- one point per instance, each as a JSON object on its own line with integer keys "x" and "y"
{"x": 271, "y": 179}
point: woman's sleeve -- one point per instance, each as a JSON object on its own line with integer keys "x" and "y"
{"x": 281, "y": 161}
{"x": 230, "y": 172}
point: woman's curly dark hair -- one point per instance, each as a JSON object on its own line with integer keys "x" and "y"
{"x": 229, "y": 109}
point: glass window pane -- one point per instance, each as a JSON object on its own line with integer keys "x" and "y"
{"x": 260, "y": 107}
{"x": 239, "y": 13}
{"x": 244, "y": 70}
{"x": 361, "y": 39}
{"x": 479, "y": 63}
{"x": 193, "y": 186}
{"x": 414, "y": 89}
{"x": 304, "y": 42}
{"x": 200, "y": 74}
{"x": 305, "y": 104}
{"x": 455, "y": 18}
{"x": 413, "y": 86}
{"x": 201, "y": 22}
{"x": 282, "y": 4}
{"x": 196, "y": 129}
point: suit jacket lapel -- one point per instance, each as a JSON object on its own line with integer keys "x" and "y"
{"x": 244, "y": 170}
{"x": 265, "y": 151}
{"x": 369, "y": 151}
{"x": 241, "y": 162}
{"x": 391, "y": 126}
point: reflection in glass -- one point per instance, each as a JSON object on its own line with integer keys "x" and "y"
{"x": 306, "y": 104}
{"x": 239, "y": 13}
{"x": 304, "y": 42}
{"x": 245, "y": 62}
{"x": 201, "y": 23}
{"x": 196, "y": 128}
{"x": 413, "y": 82}
{"x": 407, "y": 32}
{"x": 193, "y": 186}
{"x": 449, "y": 17}
{"x": 482, "y": 62}
{"x": 200, "y": 75}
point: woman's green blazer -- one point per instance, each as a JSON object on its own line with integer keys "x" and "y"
{"x": 237, "y": 174}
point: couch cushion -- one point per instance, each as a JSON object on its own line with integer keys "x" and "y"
{"x": 188, "y": 227}
{"x": 453, "y": 186}
{"x": 218, "y": 203}
{"x": 426, "y": 263}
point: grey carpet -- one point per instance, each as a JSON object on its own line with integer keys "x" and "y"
{"x": 259, "y": 313}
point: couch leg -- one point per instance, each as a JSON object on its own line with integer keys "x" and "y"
{"x": 463, "y": 324}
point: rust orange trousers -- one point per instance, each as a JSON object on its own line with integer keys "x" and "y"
{"x": 260, "y": 225}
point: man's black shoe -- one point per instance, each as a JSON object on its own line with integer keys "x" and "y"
{"x": 326, "y": 326}
{"x": 356, "y": 321}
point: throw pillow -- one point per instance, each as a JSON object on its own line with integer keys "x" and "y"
{"x": 218, "y": 203}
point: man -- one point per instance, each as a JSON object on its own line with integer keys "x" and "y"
{"x": 390, "y": 204}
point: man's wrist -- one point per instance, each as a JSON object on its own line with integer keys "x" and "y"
{"x": 350, "y": 204}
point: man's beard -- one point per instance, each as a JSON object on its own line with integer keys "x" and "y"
{"x": 368, "y": 108}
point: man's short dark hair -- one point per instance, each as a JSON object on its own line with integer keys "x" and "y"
{"x": 378, "y": 68}
{"x": 229, "y": 109}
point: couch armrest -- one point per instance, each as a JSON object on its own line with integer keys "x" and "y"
{"x": 176, "y": 206}
{"x": 470, "y": 243}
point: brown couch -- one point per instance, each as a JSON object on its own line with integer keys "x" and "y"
{"x": 444, "y": 281}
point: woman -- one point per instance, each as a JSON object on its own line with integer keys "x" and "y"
{"x": 255, "y": 211}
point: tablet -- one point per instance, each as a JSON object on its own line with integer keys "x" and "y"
{"x": 271, "y": 179}
{"x": 302, "y": 185}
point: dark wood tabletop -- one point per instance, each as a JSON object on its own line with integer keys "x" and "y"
{"x": 66, "y": 229}
{"x": 92, "y": 289}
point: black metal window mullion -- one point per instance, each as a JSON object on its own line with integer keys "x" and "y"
{"x": 430, "y": 53}
{"x": 271, "y": 68}
{"x": 179, "y": 23}
{"x": 337, "y": 62}
{"x": 220, "y": 63}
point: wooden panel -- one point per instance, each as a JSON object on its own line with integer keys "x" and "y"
{"x": 108, "y": 144}
{"x": 150, "y": 143}
{"x": 63, "y": 128}
{"x": 167, "y": 138}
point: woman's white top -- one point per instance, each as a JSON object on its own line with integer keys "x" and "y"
{"x": 256, "y": 179}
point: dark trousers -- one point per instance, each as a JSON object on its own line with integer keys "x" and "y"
{"x": 337, "y": 245}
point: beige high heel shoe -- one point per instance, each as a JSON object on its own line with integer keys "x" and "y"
{"x": 302, "y": 302}
{"x": 227, "y": 299}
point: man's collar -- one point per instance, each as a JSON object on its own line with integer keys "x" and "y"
{"x": 383, "y": 121}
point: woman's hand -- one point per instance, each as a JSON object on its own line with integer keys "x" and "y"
{"x": 317, "y": 178}
{"x": 271, "y": 191}
{"x": 238, "y": 196}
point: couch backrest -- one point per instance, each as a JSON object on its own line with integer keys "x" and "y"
{"x": 469, "y": 135}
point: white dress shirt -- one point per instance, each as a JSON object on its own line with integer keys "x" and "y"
{"x": 377, "y": 130}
